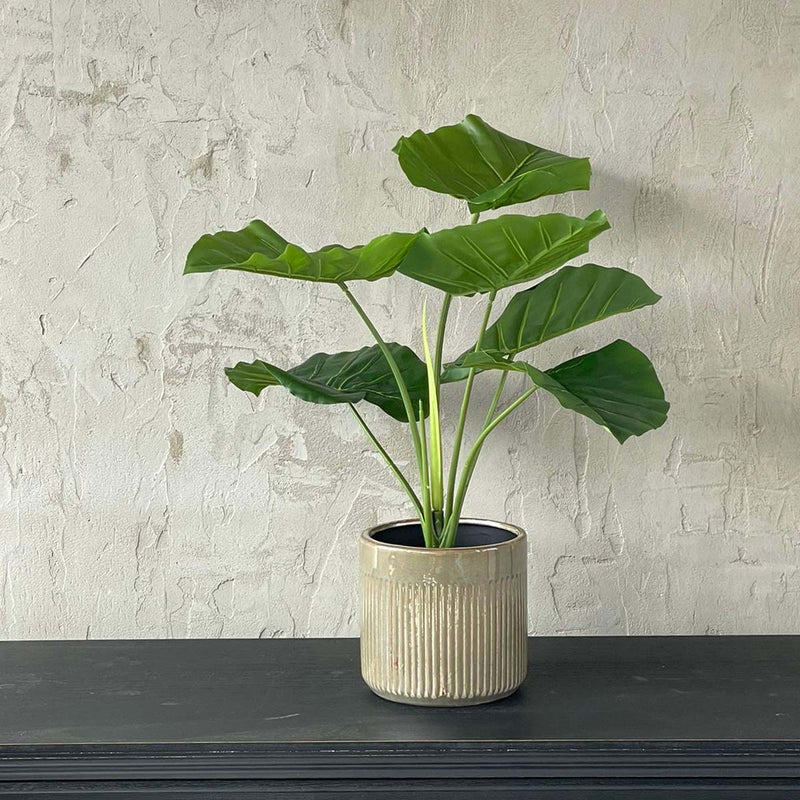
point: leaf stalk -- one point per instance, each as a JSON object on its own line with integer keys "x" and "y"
{"x": 401, "y": 384}
{"x": 462, "y": 417}
{"x": 412, "y": 495}
{"x": 451, "y": 528}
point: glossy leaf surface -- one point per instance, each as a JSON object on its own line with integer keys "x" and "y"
{"x": 616, "y": 387}
{"x": 489, "y": 169}
{"x": 570, "y": 299}
{"x": 499, "y": 252}
{"x": 258, "y": 248}
{"x": 342, "y": 378}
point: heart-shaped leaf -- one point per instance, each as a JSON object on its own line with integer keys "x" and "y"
{"x": 616, "y": 387}
{"x": 499, "y": 252}
{"x": 489, "y": 169}
{"x": 342, "y": 378}
{"x": 258, "y": 248}
{"x": 570, "y": 299}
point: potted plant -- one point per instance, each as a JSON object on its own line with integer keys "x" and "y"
{"x": 443, "y": 598}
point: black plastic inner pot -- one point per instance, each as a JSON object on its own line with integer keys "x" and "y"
{"x": 470, "y": 534}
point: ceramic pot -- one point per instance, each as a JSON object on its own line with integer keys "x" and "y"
{"x": 444, "y": 627}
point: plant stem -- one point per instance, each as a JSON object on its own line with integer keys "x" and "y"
{"x": 389, "y": 461}
{"x": 496, "y": 399}
{"x": 439, "y": 515}
{"x": 448, "y": 299}
{"x": 427, "y": 525}
{"x": 462, "y": 417}
{"x": 401, "y": 384}
{"x": 469, "y": 467}
{"x": 434, "y": 450}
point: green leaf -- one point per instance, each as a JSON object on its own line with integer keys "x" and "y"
{"x": 564, "y": 302}
{"x": 342, "y": 378}
{"x": 489, "y": 169}
{"x": 616, "y": 387}
{"x": 499, "y": 252}
{"x": 258, "y": 248}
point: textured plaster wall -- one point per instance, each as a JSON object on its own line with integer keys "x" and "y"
{"x": 142, "y": 496}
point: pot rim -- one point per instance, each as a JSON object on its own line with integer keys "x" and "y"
{"x": 519, "y": 535}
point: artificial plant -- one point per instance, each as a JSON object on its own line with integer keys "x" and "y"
{"x": 615, "y": 386}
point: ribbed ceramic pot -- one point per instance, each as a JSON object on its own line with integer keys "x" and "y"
{"x": 444, "y": 627}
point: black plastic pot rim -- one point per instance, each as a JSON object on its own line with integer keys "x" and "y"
{"x": 516, "y": 534}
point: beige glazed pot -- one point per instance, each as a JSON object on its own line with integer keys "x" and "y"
{"x": 444, "y": 627}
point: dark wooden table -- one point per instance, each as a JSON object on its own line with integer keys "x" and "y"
{"x": 600, "y": 718}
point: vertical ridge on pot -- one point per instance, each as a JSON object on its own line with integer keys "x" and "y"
{"x": 444, "y": 627}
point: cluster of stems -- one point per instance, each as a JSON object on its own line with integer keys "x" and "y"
{"x": 438, "y": 505}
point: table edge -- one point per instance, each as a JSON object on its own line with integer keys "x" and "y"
{"x": 440, "y": 760}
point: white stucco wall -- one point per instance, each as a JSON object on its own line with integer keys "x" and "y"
{"x": 142, "y": 496}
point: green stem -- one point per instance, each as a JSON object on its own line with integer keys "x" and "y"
{"x": 496, "y": 399}
{"x": 434, "y": 450}
{"x": 469, "y": 467}
{"x": 439, "y": 515}
{"x": 427, "y": 525}
{"x": 401, "y": 384}
{"x": 389, "y": 461}
{"x": 462, "y": 417}
{"x": 448, "y": 298}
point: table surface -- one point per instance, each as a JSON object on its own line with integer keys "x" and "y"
{"x": 310, "y": 690}
{"x": 609, "y": 717}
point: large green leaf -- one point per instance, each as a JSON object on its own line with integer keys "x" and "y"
{"x": 258, "y": 248}
{"x": 342, "y": 378}
{"x": 616, "y": 387}
{"x": 566, "y": 301}
{"x": 475, "y": 162}
{"x": 499, "y": 252}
